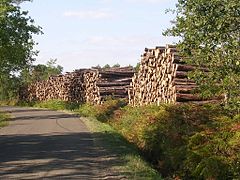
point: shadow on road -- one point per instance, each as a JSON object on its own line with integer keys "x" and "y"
{"x": 68, "y": 156}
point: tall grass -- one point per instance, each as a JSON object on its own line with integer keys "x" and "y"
{"x": 132, "y": 165}
{"x": 3, "y": 119}
{"x": 56, "y": 105}
{"x": 181, "y": 141}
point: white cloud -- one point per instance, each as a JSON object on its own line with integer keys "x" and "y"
{"x": 90, "y": 14}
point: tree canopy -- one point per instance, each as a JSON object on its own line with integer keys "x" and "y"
{"x": 16, "y": 41}
{"x": 210, "y": 37}
{"x": 40, "y": 72}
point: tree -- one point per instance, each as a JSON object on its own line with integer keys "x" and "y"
{"x": 40, "y": 72}
{"x": 107, "y": 66}
{"x": 209, "y": 32}
{"x": 53, "y": 68}
{"x": 137, "y": 67}
{"x": 16, "y": 42}
{"x": 116, "y": 65}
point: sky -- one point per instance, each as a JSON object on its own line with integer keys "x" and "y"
{"x": 86, "y": 33}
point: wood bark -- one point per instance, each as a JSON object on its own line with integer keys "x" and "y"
{"x": 163, "y": 78}
{"x": 83, "y": 85}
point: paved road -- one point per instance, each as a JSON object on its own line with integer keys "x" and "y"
{"x": 43, "y": 144}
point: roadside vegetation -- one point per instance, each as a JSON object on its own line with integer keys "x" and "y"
{"x": 180, "y": 141}
{"x": 133, "y": 165}
{"x": 3, "y": 119}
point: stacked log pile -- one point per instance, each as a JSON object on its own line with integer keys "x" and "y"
{"x": 66, "y": 87}
{"x": 83, "y": 85}
{"x": 162, "y": 78}
{"x": 113, "y": 82}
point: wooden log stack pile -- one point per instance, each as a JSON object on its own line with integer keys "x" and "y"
{"x": 113, "y": 82}
{"x": 67, "y": 87}
{"x": 162, "y": 78}
{"x": 83, "y": 85}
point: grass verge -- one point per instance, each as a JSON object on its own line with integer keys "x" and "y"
{"x": 181, "y": 141}
{"x": 3, "y": 119}
{"x": 133, "y": 166}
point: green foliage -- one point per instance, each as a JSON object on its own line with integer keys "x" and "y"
{"x": 9, "y": 85}
{"x": 131, "y": 164}
{"x": 16, "y": 48}
{"x": 16, "y": 45}
{"x": 53, "y": 68}
{"x": 55, "y": 105}
{"x": 116, "y": 65}
{"x": 3, "y": 119}
{"x": 102, "y": 112}
{"x": 87, "y": 110}
{"x": 214, "y": 152}
{"x": 157, "y": 132}
{"x": 181, "y": 141}
{"x": 107, "y": 66}
{"x": 137, "y": 67}
{"x": 40, "y": 72}
{"x": 25, "y": 104}
{"x": 209, "y": 32}
{"x": 9, "y": 102}
{"x": 186, "y": 141}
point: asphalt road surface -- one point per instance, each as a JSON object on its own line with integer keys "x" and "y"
{"x": 43, "y": 144}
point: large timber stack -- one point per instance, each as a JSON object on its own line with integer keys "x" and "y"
{"x": 162, "y": 78}
{"x": 83, "y": 85}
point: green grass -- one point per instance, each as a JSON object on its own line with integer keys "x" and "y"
{"x": 52, "y": 104}
{"x": 3, "y": 119}
{"x": 12, "y": 102}
{"x": 133, "y": 165}
{"x": 181, "y": 141}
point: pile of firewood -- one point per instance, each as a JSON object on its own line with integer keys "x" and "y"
{"x": 83, "y": 85}
{"x": 113, "y": 82}
{"x": 66, "y": 87}
{"x": 162, "y": 78}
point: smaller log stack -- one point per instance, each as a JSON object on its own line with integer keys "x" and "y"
{"x": 83, "y": 85}
{"x": 113, "y": 82}
{"x": 162, "y": 78}
{"x": 66, "y": 87}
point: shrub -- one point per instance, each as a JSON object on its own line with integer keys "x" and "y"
{"x": 3, "y": 119}
{"x": 184, "y": 140}
{"x": 87, "y": 110}
{"x": 102, "y": 112}
{"x": 55, "y": 104}
{"x": 156, "y": 133}
{"x": 181, "y": 141}
{"x": 214, "y": 152}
